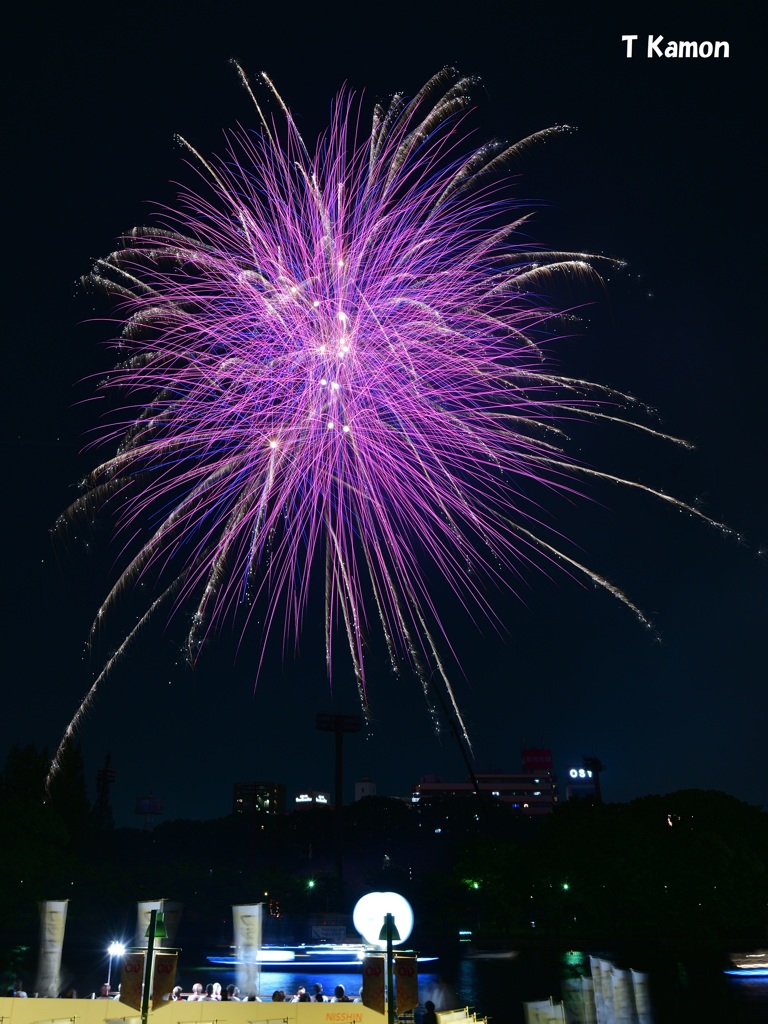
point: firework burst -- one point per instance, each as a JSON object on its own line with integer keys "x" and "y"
{"x": 333, "y": 364}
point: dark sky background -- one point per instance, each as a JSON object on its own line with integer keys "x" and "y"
{"x": 664, "y": 172}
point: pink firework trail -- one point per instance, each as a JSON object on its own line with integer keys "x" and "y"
{"x": 332, "y": 365}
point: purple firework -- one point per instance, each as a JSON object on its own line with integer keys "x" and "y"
{"x": 333, "y": 364}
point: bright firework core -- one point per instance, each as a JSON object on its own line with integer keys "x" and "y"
{"x": 333, "y": 362}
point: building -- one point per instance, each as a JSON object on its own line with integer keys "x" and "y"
{"x": 580, "y": 783}
{"x": 262, "y": 798}
{"x": 363, "y": 788}
{"x": 583, "y": 781}
{"x": 532, "y": 791}
{"x": 311, "y": 798}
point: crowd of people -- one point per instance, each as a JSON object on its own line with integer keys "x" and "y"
{"x": 317, "y": 996}
{"x": 213, "y": 992}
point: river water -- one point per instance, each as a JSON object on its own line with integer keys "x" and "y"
{"x": 496, "y": 986}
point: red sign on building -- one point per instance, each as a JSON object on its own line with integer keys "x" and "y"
{"x": 537, "y": 759}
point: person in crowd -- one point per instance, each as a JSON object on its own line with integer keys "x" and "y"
{"x": 216, "y": 991}
{"x": 317, "y": 994}
{"x": 430, "y": 1017}
{"x": 232, "y": 994}
{"x": 299, "y": 992}
{"x": 197, "y": 993}
{"x": 177, "y": 996}
{"x": 104, "y": 993}
{"x": 340, "y": 996}
{"x": 278, "y": 996}
{"x": 359, "y": 997}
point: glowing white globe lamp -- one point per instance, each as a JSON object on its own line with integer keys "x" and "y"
{"x": 370, "y": 911}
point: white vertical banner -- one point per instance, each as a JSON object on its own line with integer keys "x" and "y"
{"x": 53, "y": 920}
{"x": 163, "y": 978}
{"x": 406, "y": 974}
{"x": 246, "y": 918}
{"x": 143, "y": 913}
{"x": 132, "y": 979}
{"x": 606, "y": 969}
{"x": 601, "y": 1011}
{"x": 588, "y": 1000}
{"x": 623, "y": 998}
{"x": 374, "y": 995}
{"x": 642, "y": 997}
{"x": 544, "y": 1011}
{"x": 171, "y": 915}
{"x": 579, "y": 1000}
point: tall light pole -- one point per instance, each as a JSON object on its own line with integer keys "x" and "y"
{"x": 594, "y": 764}
{"x": 114, "y": 949}
{"x": 339, "y": 724}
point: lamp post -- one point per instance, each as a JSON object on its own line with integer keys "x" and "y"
{"x": 390, "y": 934}
{"x": 114, "y": 949}
{"x": 155, "y": 930}
{"x": 398, "y": 924}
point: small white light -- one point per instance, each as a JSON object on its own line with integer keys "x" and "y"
{"x": 345, "y": 428}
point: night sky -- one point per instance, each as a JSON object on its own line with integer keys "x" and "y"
{"x": 662, "y": 172}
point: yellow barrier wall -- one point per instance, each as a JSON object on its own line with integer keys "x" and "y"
{"x": 97, "y": 1011}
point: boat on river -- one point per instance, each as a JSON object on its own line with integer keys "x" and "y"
{"x": 749, "y": 965}
{"x": 332, "y": 956}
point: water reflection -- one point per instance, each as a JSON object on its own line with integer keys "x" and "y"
{"x": 497, "y": 986}
{"x": 668, "y": 991}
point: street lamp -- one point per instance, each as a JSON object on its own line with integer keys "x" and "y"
{"x": 114, "y": 949}
{"x": 398, "y": 925}
{"x": 390, "y": 934}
